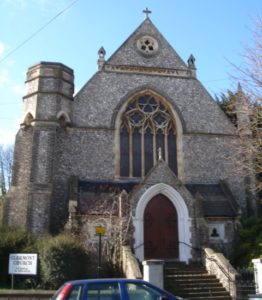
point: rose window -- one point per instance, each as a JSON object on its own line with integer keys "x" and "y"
{"x": 147, "y": 45}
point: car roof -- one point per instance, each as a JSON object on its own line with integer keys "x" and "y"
{"x": 101, "y": 280}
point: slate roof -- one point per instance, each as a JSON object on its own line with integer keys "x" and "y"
{"x": 217, "y": 200}
{"x": 106, "y": 186}
{"x": 127, "y": 53}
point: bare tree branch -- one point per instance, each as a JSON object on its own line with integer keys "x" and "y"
{"x": 6, "y": 162}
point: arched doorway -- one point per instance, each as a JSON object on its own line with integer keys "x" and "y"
{"x": 160, "y": 229}
{"x": 184, "y": 220}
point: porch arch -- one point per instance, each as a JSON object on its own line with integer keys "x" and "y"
{"x": 184, "y": 222}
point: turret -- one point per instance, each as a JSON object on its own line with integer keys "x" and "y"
{"x": 47, "y": 105}
{"x": 49, "y": 93}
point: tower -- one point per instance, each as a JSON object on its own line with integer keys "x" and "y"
{"x": 47, "y": 106}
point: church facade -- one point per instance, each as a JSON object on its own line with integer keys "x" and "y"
{"x": 142, "y": 146}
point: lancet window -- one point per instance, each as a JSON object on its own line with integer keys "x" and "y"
{"x": 147, "y": 129}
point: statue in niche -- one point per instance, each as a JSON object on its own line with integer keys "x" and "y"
{"x": 214, "y": 233}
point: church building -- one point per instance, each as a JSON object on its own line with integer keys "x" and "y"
{"x": 142, "y": 146}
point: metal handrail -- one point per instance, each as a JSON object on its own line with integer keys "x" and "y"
{"x": 190, "y": 246}
{"x": 231, "y": 282}
{"x": 225, "y": 272}
{"x": 180, "y": 242}
{"x": 138, "y": 246}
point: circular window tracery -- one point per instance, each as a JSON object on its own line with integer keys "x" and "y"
{"x": 147, "y": 109}
{"x": 147, "y": 45}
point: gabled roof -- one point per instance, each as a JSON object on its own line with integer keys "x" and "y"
{"x": 164, "y": 57}
{"x": 106, "y": 186}
{"x": 216, "y": 200}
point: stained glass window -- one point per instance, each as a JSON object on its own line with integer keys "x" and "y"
{"x": 147, "y": 125}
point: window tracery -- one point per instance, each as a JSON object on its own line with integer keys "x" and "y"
{"x": 146, "y": 125}
{"x": 147, "y": 45}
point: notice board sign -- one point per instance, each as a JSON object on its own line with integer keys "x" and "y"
{"x": 100, "y": 230}
{"x": 22, "y": 264}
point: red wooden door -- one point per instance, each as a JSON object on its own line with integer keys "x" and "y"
{"x": 160, "y": 229}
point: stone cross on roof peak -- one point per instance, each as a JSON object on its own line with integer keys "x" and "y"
{"x": 147, "y": 12}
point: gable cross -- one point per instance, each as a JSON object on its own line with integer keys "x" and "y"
{"x": 147, "y": 12}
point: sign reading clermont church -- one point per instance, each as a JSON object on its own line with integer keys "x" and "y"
{"x": 22, "y": 264}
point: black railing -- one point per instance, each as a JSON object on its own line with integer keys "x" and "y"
{"x": 227, "y": 272}
{"x": 245, "y": 283}
{"x": 242, "y": 282}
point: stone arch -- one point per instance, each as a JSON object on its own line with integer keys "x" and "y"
{"x": 184, "y": 221}
{"x": 177, "y": 119}
{"x": 142, "y": 90}
{"x": 63, "y": 115}
{"x": 63, "y": 119}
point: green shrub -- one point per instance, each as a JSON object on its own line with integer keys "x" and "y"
{"x": 62, "y": 258}
{"x": 248, "y": 245}
{"x": 12, "y": 241}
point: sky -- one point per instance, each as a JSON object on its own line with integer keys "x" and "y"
{"x": 71, "y": 32}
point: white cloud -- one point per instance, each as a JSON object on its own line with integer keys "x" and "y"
{"x": 7, "y": 136}
{"x": 11, "y": 84}
{"x": 8, "y": 131}
{"x": 10, "y": 62}
{"x": 18, "y": 89}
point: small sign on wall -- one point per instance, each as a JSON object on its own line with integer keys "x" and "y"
{"x": 100, "y": 230}
{"x": 22, "y": 264}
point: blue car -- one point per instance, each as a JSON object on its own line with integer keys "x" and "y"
{"x": 111, "y": 289}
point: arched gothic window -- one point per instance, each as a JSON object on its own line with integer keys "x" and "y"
{"x": 147, "y": 128}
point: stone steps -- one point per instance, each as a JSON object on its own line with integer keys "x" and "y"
{"x": 192, "y": 282}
